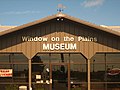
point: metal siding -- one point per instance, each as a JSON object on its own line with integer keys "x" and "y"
{"x": 19, "y": 45}
{"x": 13, "y": 43}
{"x": 47, "y": 33}
{"x": 80, "y": 31}
{"x": 118, "y": 43}
{"x": 110, "y": 43}
{"x": 29, "y": 44}
{"x": 42, "y": 35}
{"x": 26, "y": 45}
{"x": 57, "y": 34}
{"x": 95, "y": 44}
{"x": 33, "y": 44}
{"x": 72, "y": 34}
{"x": 38, "y": 33}
{"x": 91, "y": 46}
{"x": 76, "y": 31}
{"x": 0, "y": 44}
{"x": 115, "y": 43}
{"x": 100, "y": 46}
{"x": 86, "y": 44}
{"x": 52, "y": 32}
{"x": 8, "y": 42}
{"x": 67, "y": 29}
{"x": 106, "y": 42}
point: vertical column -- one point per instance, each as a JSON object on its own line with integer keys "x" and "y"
{"x": 68, "y": 76}
{"x": 51, "y": 77}
{"x": 105, "y": 71}
{"x": 50, "y": 65}
{"x": 30, "y": 88}
{"x": 69, "y": 73}
{"x": 88, "y": 74}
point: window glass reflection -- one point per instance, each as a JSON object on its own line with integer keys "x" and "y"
{"x": 78, "y": 71}
{"x": 105, "y": 68}
{"x": 19, "y": 58}
{"x": 78, "y": 77}
{"x": 113, "y": 58}
{"x": 113, "y": 72}
{"x": 45, "y": 58}
{"x": 59, "y": 58}
{"x": 59, "y": 77}
{"x": 5, "y": 58}
{"x": 5, "y": 66}
{"x": 56, "y": 58}
{"x": 13, "y": 58}
{"x": 97, "y": 72}
{"x": 19, "y": 70}
{"x": 77, "y": 58}
{"x": 20, "y": 73}
{"x": 98, "y": 58}
{"x": 42, "y": 70}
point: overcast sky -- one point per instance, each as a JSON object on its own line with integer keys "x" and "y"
{"x": 100, "y": 12}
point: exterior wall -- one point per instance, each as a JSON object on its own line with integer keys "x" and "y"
{"x": 100, "y": 42}
{"x": 83, "y": 39}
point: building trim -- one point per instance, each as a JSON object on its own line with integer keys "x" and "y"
{"x": 59, "y": 15}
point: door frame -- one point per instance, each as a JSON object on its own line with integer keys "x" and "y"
{"x": 59, "y": 64}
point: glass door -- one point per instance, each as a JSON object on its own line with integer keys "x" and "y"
{"x": 40, "y": 72}
{"x": 59, "y": 77}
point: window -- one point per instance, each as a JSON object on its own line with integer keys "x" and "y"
{"x": 105, "y": 69}
{"x": 18, "y": 63}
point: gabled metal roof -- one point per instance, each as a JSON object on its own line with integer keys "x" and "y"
{"x": 3, "y": 28}
{"x": 115, "y": 28}
{"x": 64, "y": 16}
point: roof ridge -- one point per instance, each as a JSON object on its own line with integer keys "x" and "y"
{"x": 60, "y": 15}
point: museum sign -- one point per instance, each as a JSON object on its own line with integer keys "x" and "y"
{"x": 69, "y": 43}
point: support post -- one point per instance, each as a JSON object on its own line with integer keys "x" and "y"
{"x": 69, "y": 74}
{"x": 88, "y": 74}
{"x": 30, "y": 88}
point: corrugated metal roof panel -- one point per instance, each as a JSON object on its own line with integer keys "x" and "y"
{"x": 4, "y": 28}
{"x": 114, "y": 28}
{"x": 102, "y": 28}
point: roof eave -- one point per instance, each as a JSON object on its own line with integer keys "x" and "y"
{"x": 28, "y": 24}
{"x": 92, "y": 25}
{"x": 60, "y": 15}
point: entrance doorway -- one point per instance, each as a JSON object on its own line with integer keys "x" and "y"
{"x": 59, "y": 71}
{"x": 59, "y": 77}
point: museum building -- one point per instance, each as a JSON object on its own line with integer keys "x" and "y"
{"x": 59, "y": 52}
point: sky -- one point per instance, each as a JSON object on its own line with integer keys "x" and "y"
{"x": 100, "y": 12}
